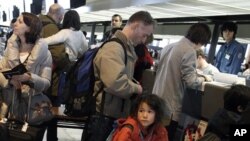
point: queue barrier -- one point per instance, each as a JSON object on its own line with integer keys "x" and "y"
{"x": 65, "y": 121}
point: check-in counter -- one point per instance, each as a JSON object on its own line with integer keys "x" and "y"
{"x": 204, "y": 103}
{"x": 212, "y": 98}
{"x": 196, "y": 103}
{"x": 148, "y": 79}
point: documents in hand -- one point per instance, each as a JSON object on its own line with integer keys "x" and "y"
{"x": 18, "y": 70}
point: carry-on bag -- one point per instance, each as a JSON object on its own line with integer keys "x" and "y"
{"x": 34, "y": 108}
{"x": 20, "y": 131}
{"x": 4, "y": 132}
{"x": 18, "y": 125}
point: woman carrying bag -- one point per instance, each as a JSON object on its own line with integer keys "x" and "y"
{"x": 25, "y": 47}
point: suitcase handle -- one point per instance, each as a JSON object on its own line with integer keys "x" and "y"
{"x": 31, "y": 85}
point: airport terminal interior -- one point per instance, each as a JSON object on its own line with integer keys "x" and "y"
{"x": 173, "y": 18}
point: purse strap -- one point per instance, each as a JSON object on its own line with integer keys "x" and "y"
{"x": 25, "y": 61}
{"x": 102, "y": 102}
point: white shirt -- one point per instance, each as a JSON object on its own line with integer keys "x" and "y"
{"x": 74, "y": 41}
{"x": 209, "y": 70}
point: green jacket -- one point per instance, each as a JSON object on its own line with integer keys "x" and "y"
{"x": 58, "y": 53}
{"x": 59, "y": 56}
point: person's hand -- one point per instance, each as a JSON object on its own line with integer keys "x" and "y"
{"x": 208, "y": 78}
{"x": 139, "y": 86}
{"x": 25, "y": 89}
{"x": 17, "y": 84}
{"x": 22, "y": 78}
{"x": 3, "y": 81}
{"x": 140, "y": 89}
{"x": 199, "y": 71}
{"x": 134, "y": 95}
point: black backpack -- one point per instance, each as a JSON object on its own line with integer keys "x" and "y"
{"x": 4, "y": 132}
{"x": 79, "y": 84}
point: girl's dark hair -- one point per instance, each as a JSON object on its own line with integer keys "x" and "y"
{"x": 35, "y": 25}
{"x": 199, "y": 33}
{"x": 154, "y": 102}
{"x": 71, "y": 19}
{"x": 237, "y": 95}
{"x": 231, "y": 26}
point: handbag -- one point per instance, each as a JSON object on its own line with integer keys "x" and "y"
{"x": 99, "y": 127}
{"x": 80, "y": 106}
{"x": 27, "y": 113}
{"x": 31, "y": 133}
{"x": 35, "y": 109}
{"x": 4, "y": 132}
{"x": 40, "y": 109}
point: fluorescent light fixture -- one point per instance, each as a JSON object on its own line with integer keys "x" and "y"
{"x": 83, "y": 9}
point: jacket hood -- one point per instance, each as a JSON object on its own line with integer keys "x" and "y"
{"x": 46, "y": 19}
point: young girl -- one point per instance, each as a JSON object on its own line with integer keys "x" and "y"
{"x": 144, "y": 122}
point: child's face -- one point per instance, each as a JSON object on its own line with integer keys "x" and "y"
{"x": 146, "y": 115}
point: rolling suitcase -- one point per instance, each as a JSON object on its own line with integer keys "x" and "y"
{"x": 4, "y": 132}
{"x": 17, "y": 134}
{"x": 20, "y": 130}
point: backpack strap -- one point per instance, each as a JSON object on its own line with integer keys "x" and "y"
{"x": 123, "y": 46}
{"x": 121, "y": 43}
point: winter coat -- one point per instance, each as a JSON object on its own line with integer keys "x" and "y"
{"x": 58, "y": 53}
{"x": 176, "y": 72}
{"x": 111, "y": 72}
{"x": 59, "y": 56}
{"x": 133, "y": 132}
{"x": 38, "y": 64}
{"x": 144, "y": 61}
{"x": 220, "y": 123}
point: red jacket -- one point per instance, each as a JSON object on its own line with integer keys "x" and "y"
{"x": 126, "y": 133}
{"x": 144, "y": 61}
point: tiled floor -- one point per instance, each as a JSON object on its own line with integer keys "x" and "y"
{"x": 66, "y": 134}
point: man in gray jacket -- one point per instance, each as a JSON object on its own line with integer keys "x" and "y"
{"x": 115, "y": 77}
{"x": 177, "y": 70}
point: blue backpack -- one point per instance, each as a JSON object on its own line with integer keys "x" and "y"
{"x": 79, "y": 84}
